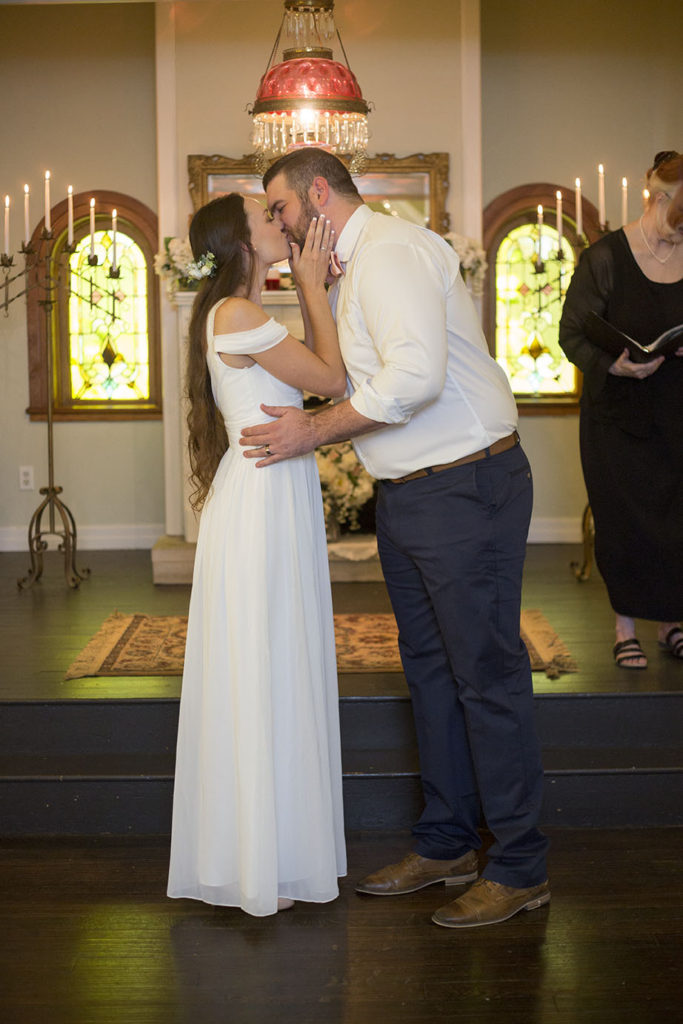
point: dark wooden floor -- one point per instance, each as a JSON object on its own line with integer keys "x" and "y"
{"x": 43, "y": 629}
{"x": 88, "y": 937}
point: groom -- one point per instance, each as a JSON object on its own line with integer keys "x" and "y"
{"x": 433, "y": 419}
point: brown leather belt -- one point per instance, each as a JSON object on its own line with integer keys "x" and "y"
{"x": 501, "y": 445}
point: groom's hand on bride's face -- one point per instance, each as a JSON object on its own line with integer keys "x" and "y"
{"x": 290, "y": 434}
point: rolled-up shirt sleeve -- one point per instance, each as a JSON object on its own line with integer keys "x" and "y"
{"x": 401, "y": 293}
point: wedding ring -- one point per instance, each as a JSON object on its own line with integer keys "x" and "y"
{"x": 267, "y": 449}
{"x": 323, "y": 248}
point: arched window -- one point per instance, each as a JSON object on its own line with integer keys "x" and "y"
{"x": 532, "y": 271}
{"x": 103, "y": 325}
{"x": 529, "y": 271}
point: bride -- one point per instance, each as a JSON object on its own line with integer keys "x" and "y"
{"x": 257, "y": 807}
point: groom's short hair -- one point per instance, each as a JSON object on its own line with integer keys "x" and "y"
{"x": 301, "y": 166}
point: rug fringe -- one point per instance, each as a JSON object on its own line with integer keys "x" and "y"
{"x": 90, "y": 659}
{"x": 555, "y": 655}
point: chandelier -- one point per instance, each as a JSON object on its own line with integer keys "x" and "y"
{"x": 309, "y": 99}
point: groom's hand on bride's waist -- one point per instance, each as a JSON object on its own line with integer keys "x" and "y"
{"x": 289, "y": 434}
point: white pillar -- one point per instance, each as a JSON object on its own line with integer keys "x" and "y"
{"x": 167, "y": 199}
{"x": 470, "y": 105}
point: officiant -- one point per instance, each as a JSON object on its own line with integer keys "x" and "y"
{"x": 631, "y": 420}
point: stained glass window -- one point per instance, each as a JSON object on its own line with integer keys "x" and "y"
{"x": 108, "y": 322}
{"x": 103, "y": 327}
{"x": 532, "y": 272}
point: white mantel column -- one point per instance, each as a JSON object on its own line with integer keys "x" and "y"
{"x": 183, "y": 304}
{"x": 470, "y": 112}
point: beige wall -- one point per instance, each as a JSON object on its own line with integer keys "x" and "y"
{"x": 78, "y": 85}
{"x": 566, "y": 86}
{"x": 403, "y": 54}
{"x": 88, "y": 111}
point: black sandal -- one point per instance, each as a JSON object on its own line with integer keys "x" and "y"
{"x": 626, "y": 651}
{"x": 673, "y": 642}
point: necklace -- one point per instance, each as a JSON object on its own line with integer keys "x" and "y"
{"x": 649, "y": 248}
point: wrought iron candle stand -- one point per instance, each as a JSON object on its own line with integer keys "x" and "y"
{"x": 58, "y": 514}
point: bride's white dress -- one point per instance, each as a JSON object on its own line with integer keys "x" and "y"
{"x": 257, "y": 806}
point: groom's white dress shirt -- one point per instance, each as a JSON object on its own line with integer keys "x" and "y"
{"x": 414, "y": 350}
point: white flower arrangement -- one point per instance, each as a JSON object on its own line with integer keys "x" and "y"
{"x": 473, "y": 262}
{"x": 345, "y": 484}
{"x": 177, "y": 266}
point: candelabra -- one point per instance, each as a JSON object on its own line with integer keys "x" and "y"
{"x": 43, "y": 271}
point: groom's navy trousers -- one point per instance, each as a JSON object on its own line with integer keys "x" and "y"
{"x": 452, "y": 548}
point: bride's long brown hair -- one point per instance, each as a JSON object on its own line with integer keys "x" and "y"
{"x": 221, "y": 228}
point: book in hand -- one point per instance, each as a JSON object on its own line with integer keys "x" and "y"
{"x": 614, "y": 341}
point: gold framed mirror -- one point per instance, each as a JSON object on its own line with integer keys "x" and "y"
{"x": 413, "y": 187}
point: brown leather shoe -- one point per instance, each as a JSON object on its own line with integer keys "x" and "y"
{"x": 489, "y": 902}
{"x": 415, "y": 872}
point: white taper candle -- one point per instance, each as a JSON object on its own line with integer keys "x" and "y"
{"x": 601, "y": 195}
{"x": 6, "y": 246}
{"x": 70, "y": 215}
{"x": 558, "y": 217}
{"x": 113, "y": 239}
{"x": 579, "y": 207}
{"x": 92, "y": 227}
{"x": 26, "y": 216}
{"x": 48, "y": 220}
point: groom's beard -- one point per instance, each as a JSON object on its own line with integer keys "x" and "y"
{"x": 300, "y": 230}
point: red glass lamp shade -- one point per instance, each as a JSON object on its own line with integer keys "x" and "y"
{"x": 309, "y": 99}
{"x": 313, "y": 82}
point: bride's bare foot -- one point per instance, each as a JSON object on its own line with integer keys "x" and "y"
{"x": 283, "y": 903}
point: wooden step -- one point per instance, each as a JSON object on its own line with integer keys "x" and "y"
{"x": 131, "y": 793}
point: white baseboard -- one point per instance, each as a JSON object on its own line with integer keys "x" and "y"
{"x": 544, "y": 530}
{"x": 556, "y": 530}
{"x": 90, "y": 538}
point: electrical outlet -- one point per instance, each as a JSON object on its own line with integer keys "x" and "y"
{"x": 26, "y": 478}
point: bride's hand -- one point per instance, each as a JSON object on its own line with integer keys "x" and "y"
{"x": 310, "y": 265}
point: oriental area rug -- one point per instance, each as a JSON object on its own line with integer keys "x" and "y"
{"x": 154, "y": 645}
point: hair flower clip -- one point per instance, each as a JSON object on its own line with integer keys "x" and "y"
{"x": 205, "y": 266}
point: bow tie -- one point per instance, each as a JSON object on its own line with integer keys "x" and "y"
{"x": 337, "y": 268}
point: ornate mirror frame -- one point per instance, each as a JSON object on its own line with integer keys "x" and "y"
{"x": 420, "y": 176}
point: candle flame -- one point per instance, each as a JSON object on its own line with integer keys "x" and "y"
{"x": 601, "y": 169}
{"x": 26, "y": 189}
{"x": 7, "y": 201}
{"x": 47, "y": 175}
{"x": 113, "y": 213}
{"x": 577, "y": 182}
{"x": 624, "y": 183}
{"x": 558, "y": 194}
{"x": 92, "y": 204}
{"x": 646, "y": 193}
{"x": 540, "y": 210}
{"x": 70, "y": 190}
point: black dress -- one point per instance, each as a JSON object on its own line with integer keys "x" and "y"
{"x": 631, "y": 433}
